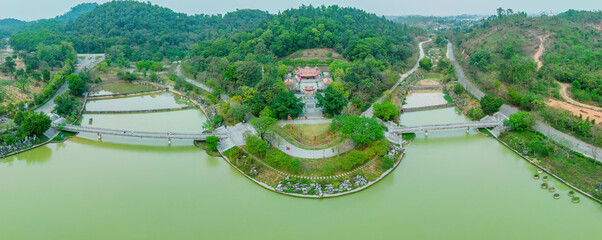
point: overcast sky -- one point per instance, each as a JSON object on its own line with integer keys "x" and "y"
{"x": 38, "y": 9}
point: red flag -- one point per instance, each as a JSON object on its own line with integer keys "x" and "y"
{"x": 305, "y": 117}
{"x": 315, "y": 138}
{"x": 288, "y": 148}
{"x": 300, "y": 78}
{"x": 301, "y": 134}
{"x": 292, "y": 127}
{"x": 328, "y": 133}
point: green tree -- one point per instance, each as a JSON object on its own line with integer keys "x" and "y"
{"x": 491, "y": 104}
{"x": 76, "y": 84}
{"x": 256, "y": 145}
{"x": 35, "y": 124}
{"x": 426, "y": 64}
{"x": 521, "y": 121}
{"x": 65, "y": 104}
{"x": 262, "y": 124}
{"x": 23, "y": 82}
{"x": 333, "y": 101}
{"x": 361, "y": 129}
{"x": 385, "y": 110}
{"x": 212, "y": 142}
{"x": 46, "y": 75}
{"x": 481, "y": 59}
{"x": 286, "y": 104}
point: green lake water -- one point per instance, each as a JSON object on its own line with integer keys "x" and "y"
{"x": 150, "y": 101}
{"x": 450, "y": 185}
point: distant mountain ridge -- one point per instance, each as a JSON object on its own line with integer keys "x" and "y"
{"x": 10, "y": 26}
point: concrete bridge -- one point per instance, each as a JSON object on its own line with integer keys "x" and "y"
{"x": 140, "y": 134}
{"x": 426, "y": 128}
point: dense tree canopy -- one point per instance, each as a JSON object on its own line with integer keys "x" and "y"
{"x": 386, "y": 110}
{"x": 521, "y": 121}
{"x": 286, "y": 104}
{"x": 361, "y": 129}
{"x": 491, "y": 104}
{"x": 332, "y": 101}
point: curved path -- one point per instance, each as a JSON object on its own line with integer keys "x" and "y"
{"x": 573, "y": 143}
{"x": 370, "y": 111}
{"x": 198, "y": 84}
{"x": 564, "y": 93}
{"x": 294, "y": 151}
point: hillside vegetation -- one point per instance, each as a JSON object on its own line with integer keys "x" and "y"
{"x": 138, "y": 31}
{"x": 373, "y": 48}
{"x": 500, "y": 55}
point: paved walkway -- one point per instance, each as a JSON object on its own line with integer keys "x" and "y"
{"x": 294, "y": 151}
{"x": 88, "y": 62}
{"x": 370, "y": 111}
{"x": 198, "y": 84}
{"x": 558, "y": 136}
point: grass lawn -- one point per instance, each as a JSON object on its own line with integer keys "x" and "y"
{"x": 432, "y": 76}
{"x": 310, "y": 136}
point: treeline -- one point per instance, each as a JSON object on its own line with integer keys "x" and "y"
{"x": 138, "y": 31}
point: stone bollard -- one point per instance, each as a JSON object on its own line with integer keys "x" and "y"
{"x": 99, "y": 137}
{"x": 426, "y": 133}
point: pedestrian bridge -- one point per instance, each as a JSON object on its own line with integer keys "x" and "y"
{"x": 426, "y": 128}
{"x": 140, "y": 134}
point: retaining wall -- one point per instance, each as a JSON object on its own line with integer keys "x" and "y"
{"x": 427, "y": 107}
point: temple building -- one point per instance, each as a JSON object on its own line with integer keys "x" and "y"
{"x": 306, "y": 82}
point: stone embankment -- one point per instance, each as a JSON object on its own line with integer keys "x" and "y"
{"x": 142, "y": 111}
{"x": 427, "y": 107}
{"x": 356, "y": 184}
{"x": 116, "y": 95}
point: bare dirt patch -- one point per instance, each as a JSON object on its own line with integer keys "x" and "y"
{"x": 540, "y": 51}
{"x": 576, "y": 110}
{"x": 428, "y": 82}
{"x": 564, "y": 93}
{"x": 597, "y": 26}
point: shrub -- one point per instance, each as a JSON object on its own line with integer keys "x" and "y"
{"x": 387, "y": 163}
{"x": 458, "y": 89}
{"x": 256, "y": 145}
{"x": 212, "y": 142}
{"x": 352, "y": 159}
{"x": 491, "y": 104}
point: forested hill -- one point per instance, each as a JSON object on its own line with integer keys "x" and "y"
{"x": 501, "y": 51}
{"x": 76, "y": 11}
{"x": 140, "y": 30}
{"x": 352, "y": 32}
{"x": 373, "y": 45}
